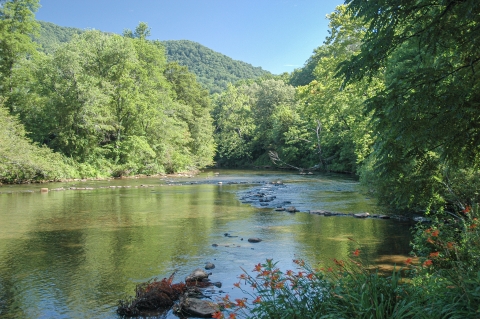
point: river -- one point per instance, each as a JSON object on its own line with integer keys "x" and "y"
{"x": 74, "y": 253}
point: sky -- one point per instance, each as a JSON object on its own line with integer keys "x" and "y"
{"x": 277, "y": 35}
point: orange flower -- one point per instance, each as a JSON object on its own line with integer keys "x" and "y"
{"x": 289, "y": 273}
{"x": 408, "y": 261}
{"x": 258, "y": 267}
{"x": 279, "y": 285}
{"x": 435, "y": 233}
{"x": 330, "y": 269}
{"x": 428, "y": 231}
{"x": 218, "y": 315}
{"x": 265, "y": 273}
{"x": 467, "y": 209}
{"x": 254, "y": 285}
{"x": 232, "y": 316}
{"x": 237, "y": 284}
{"x": 242, "y": 276}
{"x": 240, "y": 303}
{"x": 427, "y": 263}
{"x": 449, "y": 245}
{"x": 430, "y": 240}
{"x": 434, "y": 254}
{"x": 356, "y": 252}
{"x": 257, "y": 300}
{"x": 310, "y": 276}
{"x": 339, "y": 262}
{"x": 299, "y": 262}
{"x": 300, "y": 274}
{"x": 473, "y": 226}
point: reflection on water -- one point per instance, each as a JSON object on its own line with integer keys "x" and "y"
{"x": 74, "y": 253}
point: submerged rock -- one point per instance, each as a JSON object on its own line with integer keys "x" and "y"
{"x": 254, "y": 240}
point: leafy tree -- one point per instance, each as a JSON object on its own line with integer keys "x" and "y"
{"x": 234, "y": 127}
{"x": 197, "y": 116}
{"x": 337, "y": 116}
{"x": 427, "y": 115}
{"x": 17, "y": 23}
{"x": 20, "y": 160}
{"x": 142, "y": 31}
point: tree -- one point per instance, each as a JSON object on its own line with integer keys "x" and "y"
{"x": 17, "y": 23}
{"x": 142, "y": 31}
{"x": 198, "y": 106}
{"x": 338, "y": 117}
{"x": 234, "y": 127}
{"x": 427, "y": 116}
{"x": 105, "y": 102}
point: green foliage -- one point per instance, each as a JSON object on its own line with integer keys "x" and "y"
{"x": 22, "y": 161}
{"x": 198, "y": 106}
{"x": 254, "y": 118}
{"x": 105, "y": 101}
{"x": 51, "y": 36}
{"x": 449, "y": 252}
{"x": 234, "y": 127}
{"x": 213, "y": 70}
{"x": 17, "y": 23}
{"x": 346, "y": 290}
{"x": 342, "y": 125}
{"x": 426, "y": 116}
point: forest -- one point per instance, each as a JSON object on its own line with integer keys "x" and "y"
{"x": 391, "y": 101}
{"x": 213, "y": 70}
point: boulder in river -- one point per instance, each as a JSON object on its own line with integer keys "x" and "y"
{"x": 361, "y": 215}
{"x": 254, "y": 240}
{"x": 197, "y": 275}
{"x": 291, "y": 209}
{"x": 209, "y": 266}
{"x": 197, "y": 307}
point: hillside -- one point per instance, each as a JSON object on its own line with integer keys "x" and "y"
{"x": 213, "y": 70}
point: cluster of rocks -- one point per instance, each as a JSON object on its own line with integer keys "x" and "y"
{"x": 185, "y": 298}
{"x": 192, "y": 302}
{"x": 267, "y": 196}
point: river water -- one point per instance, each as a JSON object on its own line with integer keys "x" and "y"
{"x": 74, "y": 253}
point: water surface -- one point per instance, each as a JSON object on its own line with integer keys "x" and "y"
{"x": 74, "y": 253}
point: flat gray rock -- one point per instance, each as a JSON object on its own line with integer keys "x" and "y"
{"x": 198, "y": 307}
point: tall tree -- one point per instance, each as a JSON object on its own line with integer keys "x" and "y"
{"x": 17, "y": 24}
{"x": 427, "y": 117}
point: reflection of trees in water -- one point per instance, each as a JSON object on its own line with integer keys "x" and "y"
{"x": 325, "y": 238}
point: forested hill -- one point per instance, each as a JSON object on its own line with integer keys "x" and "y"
{"x": 213, "y": 69}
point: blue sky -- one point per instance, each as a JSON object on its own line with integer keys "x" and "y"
{"x": 278, "y": 35}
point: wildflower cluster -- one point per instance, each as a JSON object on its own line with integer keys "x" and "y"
{"x": 272, "y": 291}
{"x": 307, "y": 292}
{"x": 448, "y": 240}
